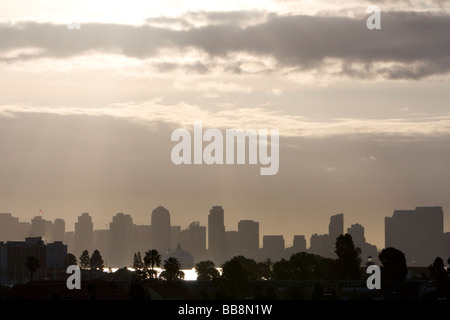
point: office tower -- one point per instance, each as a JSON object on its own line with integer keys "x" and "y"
{"x": 299, "y": 244}
{"x": 273, "y": 246}
{"x": 69, "y": 239}
{"x": 418, "y": 233}
{"x": 193, "y": 239}
{"x": 59, "y": 230}
{"x": 101, "y": 242}
{"x": 120, "y": 240}
{"x": 9, "y": 227}
{"x": 84, "y": 234}
{"x": 216, "y": 232}
{"x": 142, "y": 238}
{"x": 13, "y": 255}
{"x": 174, "y": 237}
{"x": 160, "y": 229}
{"x": 357, "y": 232}
{"x": 248, "y": 236}
{"x": 232, "y": 244}
{"x": 321, "y": 245}
{"x": 336, "y": 227}
{"x": 41, "y": 228}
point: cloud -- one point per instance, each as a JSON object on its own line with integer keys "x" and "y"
{"x": 184, "y": 115}
{"x": 410, "y": 45}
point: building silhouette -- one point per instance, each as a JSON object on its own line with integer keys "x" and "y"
{"x": 13, "y": 255}
{"x": 59, "y": 230}
{"x": 120, "y": 240}
{"x": 248, "y": 237}
{"x": 193, "y": 239}
{"x": 216, "y": 233}
{"x": 175, "y": 232}
{"x": 321, "y": 245}
{"x": 160, "y": 229}
{"x": 84, "y": 234}
{"x": 336, "y": 227}
{"x": 367, "y": 250}
{"x": 273, "y": 247}
{"x": 418, "y": 233}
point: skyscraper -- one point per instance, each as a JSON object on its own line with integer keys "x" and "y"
{"x": 336, "y": 227}
{"x": 216, "y": 232}
{"x": 357, "y": 232}
{"x": 84, "y": 234}
{"x": 120, "y": 240}
{"x": 160, "y": 229}
{"x": 248, "y": 236}
{"x": 193, "y": 239}
{"x": 59, "y": 230}
{"x": 273, "y": 246}
{"x": 418, "y": 233}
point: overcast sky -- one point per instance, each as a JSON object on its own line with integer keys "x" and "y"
{"x": 86, "y": 114}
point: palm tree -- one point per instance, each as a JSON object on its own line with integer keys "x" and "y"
{"x": 32, "y": 264}
{"x": 152, "y": 259}
{"x": 172, "y": 270}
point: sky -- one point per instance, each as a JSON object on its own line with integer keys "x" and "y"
{"x": 91, "y": 91}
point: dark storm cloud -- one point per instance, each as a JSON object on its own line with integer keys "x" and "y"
{"x": 415, "y": 45}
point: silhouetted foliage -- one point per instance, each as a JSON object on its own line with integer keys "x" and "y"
{"x": 265, "y": 269}
{"x": 32, "y": 264}
{"x": 303, "y": 266}
{"x": 69, "y": 260}
{"x": 348, "y": 262}
{"x": 152, "y": 259}
{"x": 440, "y": 275}
{"x": 138, "y": 265}
{"x": 172, "y": 270}
{"x": 393, "y": 269}
{"x": 85, "y": 260}
{"x": 96, "y": 261}
{"x": 206, "y": 270}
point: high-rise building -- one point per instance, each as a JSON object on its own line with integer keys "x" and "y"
{"x": 9, "y": 227}
{"x": 59, "y": 230}
{"x": 193, "y": 239}
{"x": 84, "y": 234}
{"x": 216, "y": 232}
{"x": 417, "y": 233}
{"x": 248, "y": 236}
{"x": 120, "y": 240}
{"x": 41, "y": 228}
{"x": 357, "y": 232}
{"x": 232, "y": 244}
{"x": 101, "y": 242}
{"x": 273, "y": 246}
{"x": 321, "y": 245}
{"x": 299, "y": 243}
{"x": 175, "y": 232}
{"x": 160, "y": 229}
{"x": 336, "y": 227}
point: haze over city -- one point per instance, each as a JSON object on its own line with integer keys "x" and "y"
{"x": 86, "y": 114}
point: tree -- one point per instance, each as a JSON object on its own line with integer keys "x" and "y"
{"x": 85, "y": 260}
{"x": 348, "y": 260}
{"x": 152, "y": 259}
{"x": 138, "y": 265}
{"x": 440, "y": 275}
{"x": 206, "y": 270}
{"x": 69, "y": 260}
{"x": 393, "y": 269}
{"x": 303, "y": 266}
{"x": 172, "y": 270}
{"x": 32, "y": 264}
{"x": 96, "y": 261}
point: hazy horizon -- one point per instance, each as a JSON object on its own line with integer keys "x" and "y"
{"x": 86, "y": 114}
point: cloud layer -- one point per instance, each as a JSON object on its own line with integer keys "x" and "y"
{"x": 410, "y": 45}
